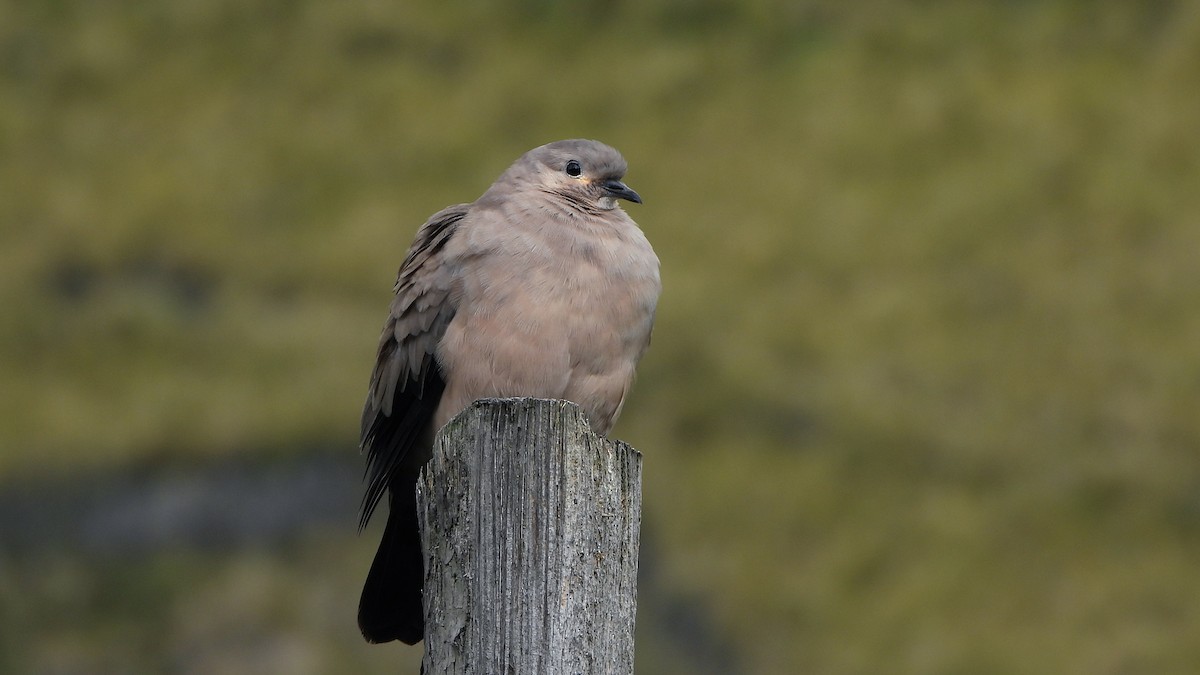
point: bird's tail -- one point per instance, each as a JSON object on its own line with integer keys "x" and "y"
{"x": 390, "y": 607}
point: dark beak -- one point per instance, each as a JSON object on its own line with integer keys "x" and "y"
{"x": 621, "y": 191}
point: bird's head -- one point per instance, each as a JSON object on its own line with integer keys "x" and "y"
{"x": 586, "y": 174}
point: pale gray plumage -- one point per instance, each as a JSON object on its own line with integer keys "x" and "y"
{"x": 542, "y": 287}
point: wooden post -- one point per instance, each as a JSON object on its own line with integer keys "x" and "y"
{"x": 530, "y": 526}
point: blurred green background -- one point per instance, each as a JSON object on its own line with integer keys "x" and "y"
{"x": 924, "y": 393}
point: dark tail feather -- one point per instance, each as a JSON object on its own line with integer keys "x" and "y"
{"x": 390, "y": 607}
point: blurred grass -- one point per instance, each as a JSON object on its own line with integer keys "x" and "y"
{"x": 188, "y": 612}
{"x": 923, "y": 390}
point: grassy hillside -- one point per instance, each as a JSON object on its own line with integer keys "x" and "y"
{"x": 923, "y": 391}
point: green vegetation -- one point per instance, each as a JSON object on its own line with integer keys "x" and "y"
{"x": 924, "y": 388}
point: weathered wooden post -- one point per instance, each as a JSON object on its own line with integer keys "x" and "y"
{"x": 530, "y": 524}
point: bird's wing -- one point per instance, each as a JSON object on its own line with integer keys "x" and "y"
{"x": 406, "y": 383}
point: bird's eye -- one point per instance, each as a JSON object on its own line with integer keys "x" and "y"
{"x": 573, "y": 169}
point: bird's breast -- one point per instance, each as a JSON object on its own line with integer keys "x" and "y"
{"x": 564, "y": 317}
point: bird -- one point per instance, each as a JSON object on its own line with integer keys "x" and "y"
{"x": 542, "y": 287}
